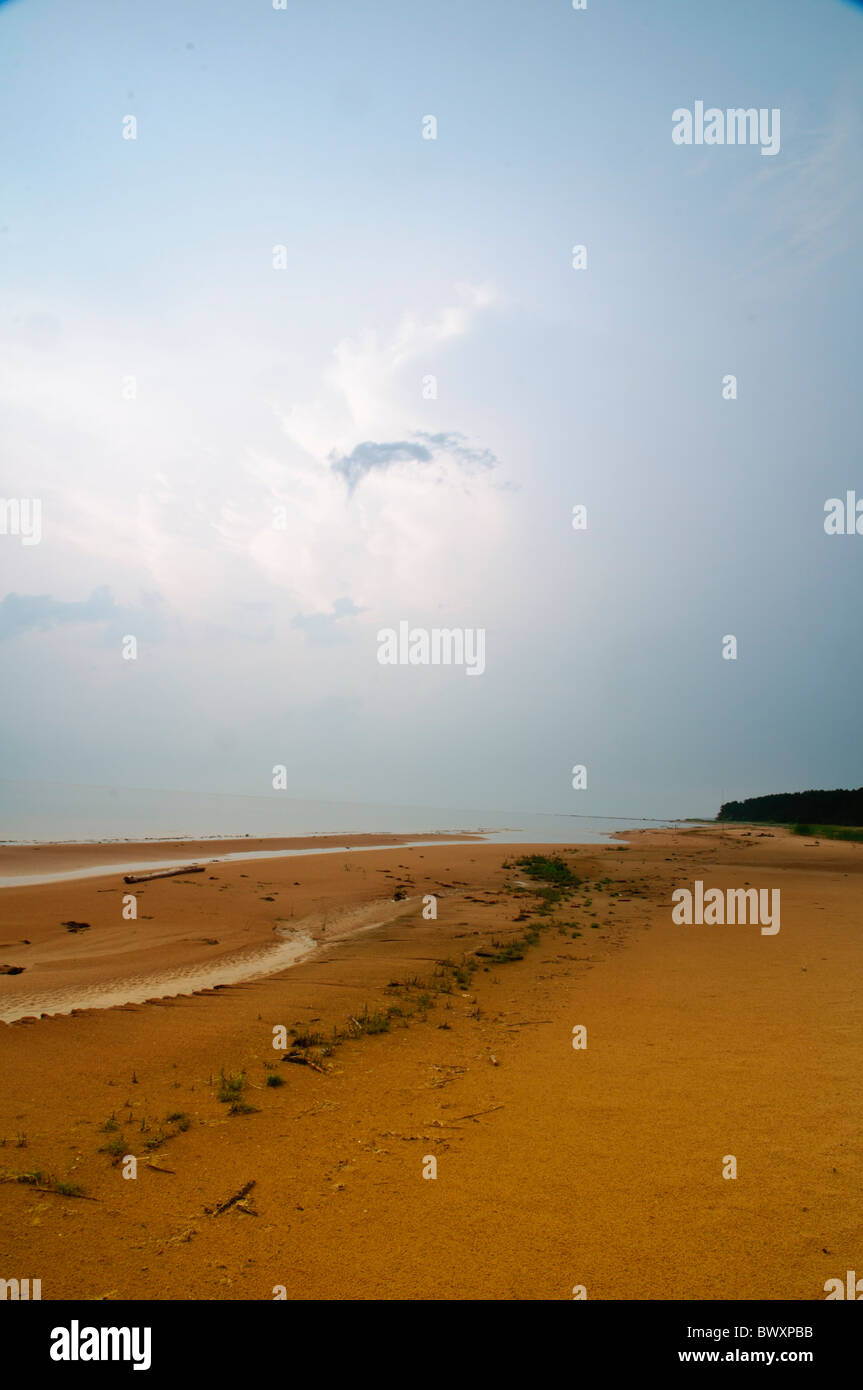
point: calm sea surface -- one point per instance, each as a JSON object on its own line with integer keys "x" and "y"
{"x": 55, "y": 811}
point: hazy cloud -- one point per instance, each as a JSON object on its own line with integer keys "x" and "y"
{"x": 457, "y": 445}
{"x": 21, "y": 613}
{"x": 320, "y": 628}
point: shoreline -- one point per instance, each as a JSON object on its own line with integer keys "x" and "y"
{"x": 62, "y": 861}
{"x": 310, "y": 837}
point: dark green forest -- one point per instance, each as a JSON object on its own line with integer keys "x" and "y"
{"x": 786, "y": 808}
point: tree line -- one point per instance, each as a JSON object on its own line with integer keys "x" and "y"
{"x": 839, "y": 807}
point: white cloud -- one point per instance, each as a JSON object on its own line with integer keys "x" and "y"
{"x": 175, "y": 492}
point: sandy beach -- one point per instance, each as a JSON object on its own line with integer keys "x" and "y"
{"x": 412, "y": 1038}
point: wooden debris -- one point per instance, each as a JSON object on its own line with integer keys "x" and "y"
{"x": 163, "y": 873}
{"x": 474, "y": 1114}
{"x": 237, "y": 1197}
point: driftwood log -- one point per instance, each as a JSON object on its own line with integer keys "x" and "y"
{"x": 163, "y": 873}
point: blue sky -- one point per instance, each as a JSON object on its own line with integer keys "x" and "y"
{"x": 152, "y": 258}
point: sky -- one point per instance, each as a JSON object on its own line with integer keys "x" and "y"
{"x": 216, "y": 345}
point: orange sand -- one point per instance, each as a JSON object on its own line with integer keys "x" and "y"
{"x": 555, "y": 1167}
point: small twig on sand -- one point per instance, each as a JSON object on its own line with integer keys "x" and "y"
{"x": 237, "y": 1197}
{"x": 474, "y": 1114}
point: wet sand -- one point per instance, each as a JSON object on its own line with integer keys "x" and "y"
{"x": 555, "y": 1167}
{"x": 96, "y": 955}
{"x": 29, "y": 863}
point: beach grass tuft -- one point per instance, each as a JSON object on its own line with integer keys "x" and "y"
{"x": 830, "y": 832}
{"x": 231, "y": 1087}
{"x": 549, "y": 869}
